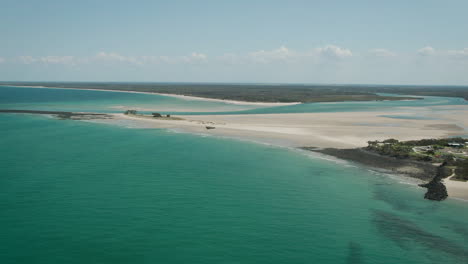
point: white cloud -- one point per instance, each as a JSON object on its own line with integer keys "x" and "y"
{"x": 459, "y": 53}
{"x": 382, "y": 53}
{"x": 2, "y": 60}
{"x": 280, "y": 54}
{"x": 426, "y": 51}
{"x": 194, "y": 58}
{"x": 110, "y": 56}
{"x": 27, "y": 59}
{"x": 115, "y": 57}
{"x": 284, "y": 54}
{"x": 332, "y": 51}
{"x": 66, "y": 60}
{"x": 273, "y": 56}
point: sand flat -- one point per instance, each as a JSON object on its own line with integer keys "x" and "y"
{"x": 337, "y": 130}
{"x": 457, "y": 189}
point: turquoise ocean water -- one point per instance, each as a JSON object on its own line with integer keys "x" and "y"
{"x": 80, "y": 192}
{"x": 103, "y": 101}
{"x": 117, "y": 102}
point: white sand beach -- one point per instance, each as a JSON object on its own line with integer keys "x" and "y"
{"x": 337, "y": 130}
{"x": 457, "y": 189}
{"x": 187, "y": 97}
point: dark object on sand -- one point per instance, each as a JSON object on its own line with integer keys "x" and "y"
{"x": 130, "y": 112}
{"x": 210, "y": 127}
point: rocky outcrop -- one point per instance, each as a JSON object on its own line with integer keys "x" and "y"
{"x": 407, "y": 167}
{"x": 436, "y": 190}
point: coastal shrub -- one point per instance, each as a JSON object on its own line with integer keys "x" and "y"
{"x": 390, "y": 141}
{"x": 393, "y": 150}
{"x": 424, "y": 158}
{"x": 461, "y": 171}
{"x": 372, "y": 143}
{"x": 440, "y": 143}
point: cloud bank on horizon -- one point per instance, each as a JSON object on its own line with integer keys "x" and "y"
{"x": 258, "y": 41}
{"x": 328, "y": 53}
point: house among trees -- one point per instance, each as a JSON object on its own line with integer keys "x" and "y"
{"x": 455, "y": 145}
{"x": 423, "y": 148}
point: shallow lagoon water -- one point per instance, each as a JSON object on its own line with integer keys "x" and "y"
{"x": 117, "y": 102}
{"x": 80, "y": 192}
{"x": 410, "y": 117}
{"x": 75, "y": 100}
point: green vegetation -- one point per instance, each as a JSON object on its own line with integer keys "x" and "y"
{"x": 269, "y": 92}
{"x": 461, "y": 170}
{"x": 242, "y": 92}
{"x": 153, "y": 116}
{"x": 428, "y": 150}
{"x": 435, "y": 142}
{"x": 390, "y": 147}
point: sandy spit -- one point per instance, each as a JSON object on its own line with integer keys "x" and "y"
{"x": 184, "y": 97}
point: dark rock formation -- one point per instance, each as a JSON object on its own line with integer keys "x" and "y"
{"x": 419, "y": 170}
{"x": 436, "y": 190}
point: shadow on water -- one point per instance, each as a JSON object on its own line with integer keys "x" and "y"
{"x": 387, "y": 196}
{"x": 355, "y": 253}
{"x": 405, "y": 233}
{"x": 458, "y": 228}
{"x": 382, "y": 193}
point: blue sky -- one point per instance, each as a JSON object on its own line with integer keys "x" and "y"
{"x": 382, "y": 42}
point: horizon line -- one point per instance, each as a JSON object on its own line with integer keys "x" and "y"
{"x": 247, "y": 83}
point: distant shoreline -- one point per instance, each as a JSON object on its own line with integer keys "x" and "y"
{"x": 240, "y": 94}
{"x": 180, "y": 96}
